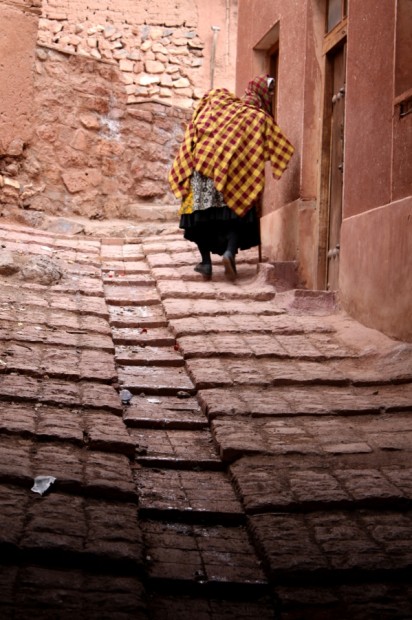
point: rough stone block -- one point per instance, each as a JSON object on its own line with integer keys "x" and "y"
{"x": 17, "y": 418}
{"x": 15, "y": 460}
{"x": 97, "y": 365}
{"x": 55, "y": 524}
{"x": 59, "y": 424}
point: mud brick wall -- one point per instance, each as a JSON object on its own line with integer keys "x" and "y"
{"x": 113, "y": 85}
{"x": 97, "y": 154}
{"x": 156, "y": 62}
{"x": 113, "y": 81}
{"x": 137, "y": 11}
{"x": 18, "y": 34}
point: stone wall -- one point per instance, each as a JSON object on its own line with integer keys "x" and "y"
{"x": 97, "y": 154}
{"x": 153, "y": 61}
{"x": 114, "y": 85}
{"x": 176, "y": 13}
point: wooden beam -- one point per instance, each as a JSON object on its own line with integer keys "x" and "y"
{"x": 335, "y": 36}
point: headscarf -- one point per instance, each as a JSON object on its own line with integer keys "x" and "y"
{"x": 257, "y": 94}
{"x": 229, "y": 140}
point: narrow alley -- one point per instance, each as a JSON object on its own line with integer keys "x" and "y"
{"x": 221, "y": 451}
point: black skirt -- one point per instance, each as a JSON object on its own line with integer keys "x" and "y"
{"x": 211, "y": 228}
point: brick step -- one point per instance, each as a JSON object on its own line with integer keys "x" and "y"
{"x": 79, "y": 530}
{"x": 210, "y": 559}
{"x": 133, "y": 317}
{"x": 156, "y": 380}
{"x": 187, "y": 495}
{"x": 165, "y": 603}
{"x": 87, "y": 394}
{"x": 78, "y": 471}
{"x": 165, "y": 412}
{"x": 138, "y": 355}
{"x": 142, "y": 336}
{"x": 36, "y": 590}
{"x": 323, "y": 547}
{"x": 177, "y": 448}
{"x": 358, "y": 600}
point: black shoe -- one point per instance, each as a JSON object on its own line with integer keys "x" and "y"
{"x": 205, "y": 269}
{"x": 229, "y": 265}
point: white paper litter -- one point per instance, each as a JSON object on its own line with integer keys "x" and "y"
{"x": 42, "y": 483}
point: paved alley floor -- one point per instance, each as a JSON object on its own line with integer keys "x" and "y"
{"x": 219, "y": 450}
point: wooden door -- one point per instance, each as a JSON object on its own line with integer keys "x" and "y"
{"x": 337, "y": 59}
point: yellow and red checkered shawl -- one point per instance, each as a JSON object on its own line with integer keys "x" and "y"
{"x": 229, "y": 140}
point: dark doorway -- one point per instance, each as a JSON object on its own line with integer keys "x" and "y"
{"x": 337, "y": 64}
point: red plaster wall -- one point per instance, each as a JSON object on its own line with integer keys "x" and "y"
{"x": 402, "y": 156}
{"x": 256, "y": 19}
{"x": 376, "y": 267}
{"x": 289, "y": 212}
{"x": 376, "y": 243}
{"x": 224, "y": 15}
{"x": 18, "y": 34}
{"x": 369, "y": 105}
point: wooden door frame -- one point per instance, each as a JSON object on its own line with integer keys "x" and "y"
{"x": 274, "y": 52}
{"x": 332, "y": 40}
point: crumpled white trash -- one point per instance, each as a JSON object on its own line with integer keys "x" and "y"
{"x": 42, "y": 483}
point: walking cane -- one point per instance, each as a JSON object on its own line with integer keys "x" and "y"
{"x": 259, "y": 214}
{"x": 216, "y": 30}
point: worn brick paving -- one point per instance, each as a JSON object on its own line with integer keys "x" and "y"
{"x": 261, "y": 468}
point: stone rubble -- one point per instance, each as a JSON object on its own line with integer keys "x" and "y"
{"x": 260, "y": 469}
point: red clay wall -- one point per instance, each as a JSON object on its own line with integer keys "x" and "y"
{"x": 18, "y": 33}
{"x": 376, "y": 242}
{"x": 289, "y": 223}
{"x": 376, "y": 246}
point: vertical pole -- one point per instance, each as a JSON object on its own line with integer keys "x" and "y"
{"x": 259, "y": 207}
{"x": 215, "y": 30}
